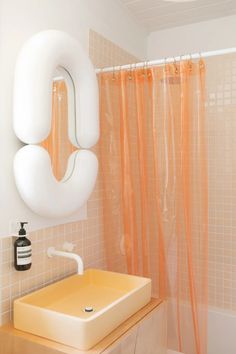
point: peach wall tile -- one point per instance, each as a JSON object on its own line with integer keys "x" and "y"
{"x": 221, "y": 130}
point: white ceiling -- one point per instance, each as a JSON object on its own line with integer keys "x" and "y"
{"x": 159, "y": 14}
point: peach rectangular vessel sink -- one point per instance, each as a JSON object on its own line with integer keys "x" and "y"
{"x": 82, "y": 309}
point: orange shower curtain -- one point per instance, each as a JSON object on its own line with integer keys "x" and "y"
{"x": 155, "y": 204}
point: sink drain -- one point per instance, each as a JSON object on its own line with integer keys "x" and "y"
{"x": 88, "y": 309}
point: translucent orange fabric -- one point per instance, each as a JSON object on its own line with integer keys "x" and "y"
{"x": 58, "y": 144}
{"x": 153, "y": 160}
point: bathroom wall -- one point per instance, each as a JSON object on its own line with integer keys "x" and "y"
{"x": 221, "y": 134}
{"x": 194, "y": 38}
{"x": 86, "y": 235}
{"x": 18, "y": 21}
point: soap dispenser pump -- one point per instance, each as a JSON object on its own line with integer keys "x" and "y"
{"x": 22, "y": 250}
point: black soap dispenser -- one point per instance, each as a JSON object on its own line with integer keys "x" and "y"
{"x": 22, "y": 250}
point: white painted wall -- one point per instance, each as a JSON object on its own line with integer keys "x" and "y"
{"x": 18, "y": 21}
{"x": 194, "y": 38}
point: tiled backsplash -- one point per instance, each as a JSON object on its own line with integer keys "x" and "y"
{"x": 86, "y": 235}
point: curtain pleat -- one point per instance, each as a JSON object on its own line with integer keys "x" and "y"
{"x": 155, "y": 191}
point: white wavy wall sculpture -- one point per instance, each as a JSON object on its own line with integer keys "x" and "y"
{"x": 41, "y": 55}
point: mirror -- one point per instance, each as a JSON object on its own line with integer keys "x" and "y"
{"x": 59, "y": 142}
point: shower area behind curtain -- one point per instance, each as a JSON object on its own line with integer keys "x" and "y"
{"x": 154, "y": 171}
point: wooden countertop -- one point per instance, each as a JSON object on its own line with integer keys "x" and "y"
{"x": 13, "y": 341}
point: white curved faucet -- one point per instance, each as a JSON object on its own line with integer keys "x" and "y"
{"x": 53, "y": 252}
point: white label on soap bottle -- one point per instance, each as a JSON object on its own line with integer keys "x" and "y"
{"x": 24, "y": 255}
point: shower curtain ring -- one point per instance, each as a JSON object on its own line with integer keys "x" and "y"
{"x": 201, "y": 61}
{"x": 190, "y": 64}
{"x": 113, "y": 74}
{"x": 147, "y": 68}
{"x": 175, "y": 65}
{"x": 130, "y": 72}
{"x": 165, "y": 64}
{"x": 144, "y": 65}
{"x": 191, "y": 56}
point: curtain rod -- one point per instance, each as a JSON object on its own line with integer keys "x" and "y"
{"x": 168, "y": 60}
